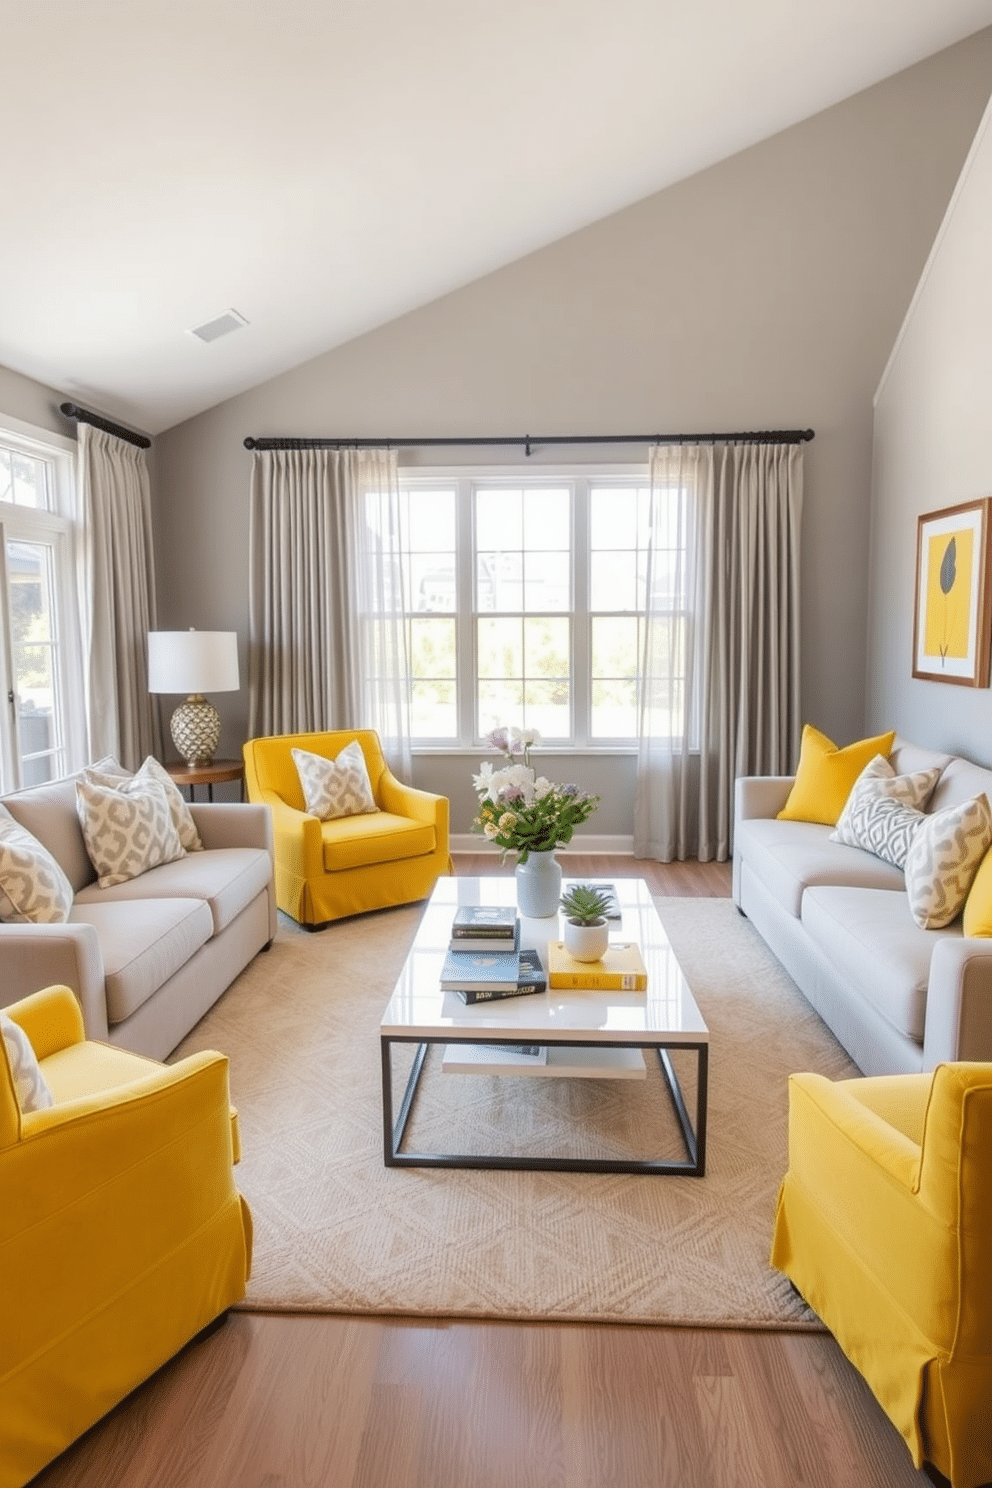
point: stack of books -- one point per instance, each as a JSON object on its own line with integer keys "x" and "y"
{"x": 484, "y": 960}
{"x": 485, "y": 927}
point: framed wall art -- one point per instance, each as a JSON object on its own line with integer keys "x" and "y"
{"x": 951, "y": 629}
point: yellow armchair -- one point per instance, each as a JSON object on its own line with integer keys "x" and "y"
{"x": 325, "y": 870}
{"x": 884, "y": 1225}
{"x": 122, "y": 1235}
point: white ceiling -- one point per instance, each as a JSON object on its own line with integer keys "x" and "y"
{"x": 322, "y": 166}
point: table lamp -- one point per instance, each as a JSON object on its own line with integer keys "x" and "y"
{"x": 194, "y": 662}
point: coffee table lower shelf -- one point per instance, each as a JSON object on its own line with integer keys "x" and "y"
{"x": 693, "y": 1133}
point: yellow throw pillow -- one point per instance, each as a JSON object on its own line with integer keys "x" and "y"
{"x": 827, "y": 774}
{"x": 978, "y": 905}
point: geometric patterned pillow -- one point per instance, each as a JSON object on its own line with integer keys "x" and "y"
{"x": 883, "y": 827}
{"x": 115, "y": 779}
{"x": 30, "y": 1085}
{"x": 877, "y": 780}
{"x": 127, "y": 831}
{"x": 337, "y": 787}
{"x": 33, "y": 888}
{"x": 947, "y": 849}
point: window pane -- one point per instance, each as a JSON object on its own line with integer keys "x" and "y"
{"x": 547, "y": 519}
{"x": 499, "y": 581}
{"x": 615, "y": 661}
{"x": 498, "y": 520}
{"x": 432, "y": 581}
{"x": 24, "y": 480}
{"x": 547, "y": 581}
{"x": 430, "y": 520}
{"x": 35, "y": 659}
{"x": 615, "y": 583}
{"x": 500, "y": 648}
{"x": 546, "y": 647}
{"x": 614, "y": 709}
{"x": 500, "y": 702}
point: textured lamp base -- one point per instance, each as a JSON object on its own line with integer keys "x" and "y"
{"x": 195, "y": 728}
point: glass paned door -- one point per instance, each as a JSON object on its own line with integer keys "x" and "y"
{"x": 34, "y": 695}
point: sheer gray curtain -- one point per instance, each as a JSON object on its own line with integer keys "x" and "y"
{"x": 327, "y": 631}
{"x": 118, "y": 597}
{"x": 720, "y": 658}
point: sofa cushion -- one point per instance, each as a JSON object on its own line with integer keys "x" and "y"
{"x": 790, "y": 856}
{"x": 826, "y": 774}
{"x": 49, "y": 813}
{"x": 960, "y": 781}
{"x": 33, "y": 888}
{"x": 871, "y": 940}
{"x": 357, "y": 841}
{"x": 143, "y": 944}
{"x": 227, "y": 879}
{"x": 943, "y": 860}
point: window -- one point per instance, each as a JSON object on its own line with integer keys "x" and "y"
{"x": 526, "y": 602}
{"x": 41, "y": 709}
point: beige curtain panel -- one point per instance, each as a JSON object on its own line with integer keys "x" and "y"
{"x": 327, "y": 624}
{"x": 118, "y": 597}
{"x": 720, "y": 655}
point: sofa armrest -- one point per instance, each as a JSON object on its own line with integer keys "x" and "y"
{"x": 761, "y": 795}
{"x": 36, "y": 956}
{"x": 959, "y": 1001}
{"x": 233, "y": 824}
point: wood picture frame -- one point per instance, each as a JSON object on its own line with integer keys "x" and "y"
{"x": 952, "y": 623}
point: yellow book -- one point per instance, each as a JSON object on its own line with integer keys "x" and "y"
{"x": 620, "y": 969}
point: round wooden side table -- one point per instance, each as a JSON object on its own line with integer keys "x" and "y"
{"x": 216, "y": 773}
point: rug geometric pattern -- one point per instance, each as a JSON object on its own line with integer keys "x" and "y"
{"x": 337, "y": 1231}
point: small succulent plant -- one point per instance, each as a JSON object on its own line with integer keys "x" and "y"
{"x": 584, "y": 905}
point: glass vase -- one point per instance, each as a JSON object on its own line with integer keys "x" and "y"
{"x": 538, "y": 885}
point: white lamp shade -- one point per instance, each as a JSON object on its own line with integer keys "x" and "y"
{"x": 191, "y": 661}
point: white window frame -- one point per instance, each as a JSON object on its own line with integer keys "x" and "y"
{"x": 580, "y": 478}
{"x": 57, "y": 527}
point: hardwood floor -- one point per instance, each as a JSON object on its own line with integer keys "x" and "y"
{"x": 339, "y": 1402}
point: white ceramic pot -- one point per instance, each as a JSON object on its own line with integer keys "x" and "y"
{"x": 586, "y": 942}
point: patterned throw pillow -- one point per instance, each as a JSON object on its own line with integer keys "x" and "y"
{"x": 337, "y": 787}
{"x": 30, "y": 1085}
{"x": 33, "y": 888}
{"x": 882, "y": 812}
{"x": 116, "y": 779}
{"x": 126, "y": 831}
{"x": 943, "y": 860}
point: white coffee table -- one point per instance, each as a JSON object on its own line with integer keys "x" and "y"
{"x": 587, "y": 1034}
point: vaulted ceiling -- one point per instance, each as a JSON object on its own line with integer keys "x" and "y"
{"x": 323, "y": 166}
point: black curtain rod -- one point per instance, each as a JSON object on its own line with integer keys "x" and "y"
{"x": 529, "y": 441}
{"x": 83, "y": 416}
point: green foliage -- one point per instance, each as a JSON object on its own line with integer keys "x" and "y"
{"x": 584, "y": 905}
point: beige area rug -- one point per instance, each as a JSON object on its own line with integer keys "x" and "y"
{"x": 337, "y": 1231}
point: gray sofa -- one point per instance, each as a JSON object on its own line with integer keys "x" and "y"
{"x": 148, "y": 957}
{"x": 899, "y": 998}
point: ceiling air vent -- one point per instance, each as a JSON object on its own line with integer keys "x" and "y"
{"x": 221, "y": 325}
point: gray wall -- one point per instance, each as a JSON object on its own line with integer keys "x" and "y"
{"x": 933, "y": 448}
{"x": 766, "y": 291}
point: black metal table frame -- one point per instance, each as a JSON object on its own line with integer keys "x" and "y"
{"x": 693, "y": 1136}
